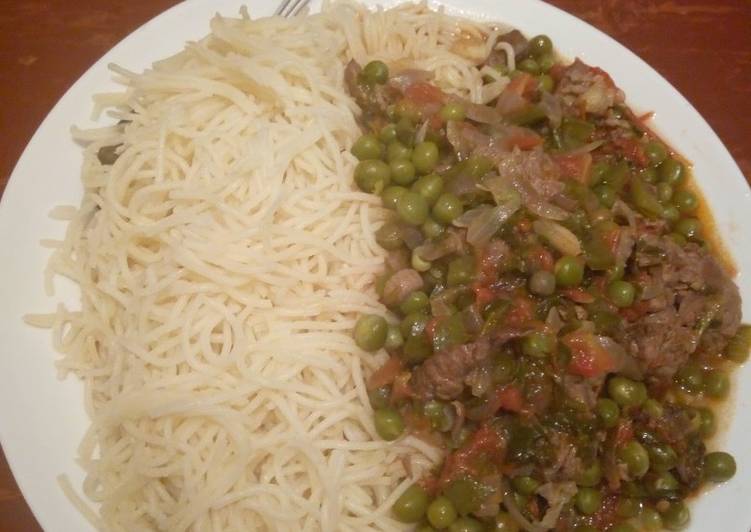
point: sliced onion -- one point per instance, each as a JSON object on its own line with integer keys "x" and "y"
{"x": 557, "y": 494}
{"x": 488, "y": 222}
{"x": 625, "y": 364}
{"x": 620, "y": 208}
{"x": 516, "y": 514}
{"x": 558, "y": 236}
{"x": 450, "y": 243}
{"x": 401, "y": 284}
{"x": 589, "y": 147}
{"x": 411, "y": 235}
{"x": 545, "y": 209}
{"x": 421, "y": 132}
{"x": 462, "y": 185}
{"x": 482, "y": 113}
{"x": 551, "y": 106}
{"x": 553, "y": 321}
{"x": 408, "y": 77}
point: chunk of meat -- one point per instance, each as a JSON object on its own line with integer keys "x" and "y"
{"x": 372, "y": 99}
{"x": 400, "y": 285}
{"x": 586, "y": 89}
{"x": 443, "y": 375}
{"x": 690, "y": 300}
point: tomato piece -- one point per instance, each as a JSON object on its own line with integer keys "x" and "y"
{"x": 578, "y": 295}
{"x": 576, "y": 167}
{"x": 484, "y": 443}
{"x": 424, "y": 93}
{"x": 632, "y": 150}
{"x": 624, "y": 432}
{"x": 430, "y": 328}
{"x": 385, "y": 374}
{"x": 522, "y": 138}
{"x": 510, "y": 398}
{"x": 540, "y": 258}
{"x": 401, "y": 388}
{"x": 520, "y": 313}
{"x": 588, "y": 358}
{"x": 522, "y": 84}
{"x": 483, "y": 295}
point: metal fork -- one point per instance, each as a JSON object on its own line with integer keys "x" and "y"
{"x": 290, "y": 8}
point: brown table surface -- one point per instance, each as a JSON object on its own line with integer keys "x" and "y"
{"x": 703, "y": 47}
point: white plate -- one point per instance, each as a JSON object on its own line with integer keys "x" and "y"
{"x": 42, "y": 419}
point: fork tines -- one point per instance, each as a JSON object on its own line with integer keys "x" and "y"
{"x": 290, "y": 8}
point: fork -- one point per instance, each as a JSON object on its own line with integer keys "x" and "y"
{"x": 290, "y": 8}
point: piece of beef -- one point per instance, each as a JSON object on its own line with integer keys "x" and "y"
{"x": 585, "y": 89}
{"x": 690, "y": 303}
{"x": 372, "y": 99}
{"x": 443, "y": 375}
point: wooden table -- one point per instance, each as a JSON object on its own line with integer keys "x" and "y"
{"x": 703, "y": 47}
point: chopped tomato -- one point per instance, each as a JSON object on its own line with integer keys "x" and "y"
{"x": 435, "y": 122}
{"x": 588, "y": 357}
{"x": 524, "y": 226}
{"x": 540, "y": 258}
{"x": 385, "y": 374}
{"x": 557, "y": 71}
{"x": 522, "y": 84}
{"x": 635, "y": 311}
{"x": 510, "y": 398}
{"x": 624, "y": 432}
{"x": 485, "y": 443}
{"x": 632, "y": 150}
{"x": 424, "y": 93}
{"x": 520, "y": 313}
{"x": 483, "y": 295}
{"x": 576, "y": 167}
{"x": 522, "y": 138}
{"x": 578, "y": 295}
{"x": 430, "y": 329}
{"x": 401, "y": 389}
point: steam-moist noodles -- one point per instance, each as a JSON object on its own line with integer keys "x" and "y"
{"x": 223, "y": 255}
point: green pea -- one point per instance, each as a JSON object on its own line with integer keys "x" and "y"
{"x": 376, "y": 72}
{"x": 478, "y": 165}
{"x": 540, "y": 45}
{"x": 650, "y": 519}
{"x": 394, "y": 338}
{"x": 447, "y": 208}
{"x": 407, "y": 111}
{"x": 412, "y": 208}
{"x": 465, "y": 496}
{"x": 676, "y": 516}
{"x": 664, "y": 192}
{"x": 505, "y": 523}
{"x": 418, "y": 263}
{"x": 528, "y": 65}
{"x": 590, "y": 476}
{"x": 739, "y": 345}
{"x": 416, "y": 349}
{"x": 686, "y": 201}
{"x": 411, "y": 505}
{"x": 466, "y": 524}
{"x": 689, "y": 228}
{"x": 367, "y": 147}
{"x": 461, "y": 271}
{"x": 655, "y": 152}
{"x": 538, "y": 344}
{"x": 426, "y": 528}
{"x": 372, "y": 176}
{"x": 662, "y": 485}
{"x": 588, "y": 500}
{"x": 402, "y": 171}
{"x": 453, "y": 111}
{"x": 429, "y": 187}
{"x": 388, "y": 423}
{"x": 370, "y": 332}
{"x": 413, "y": 324}
{"x": 504, "y": 369}
{"x": 432, "y": 229}
{"x": 417, "y": 301}
{"x": 648, "y": 175}
{"x": 546, "y": 82}
{"x": 707, "y": 422}
{"x": 716, "y": 384}
{"x": 601, "y": 215}
{"x": 719, "y": 466}
{"x": 690, "y": 377}
{"x": 662, "y": 457}
{"x": 671, "y": 171}
{"x": 608, "y": 412}
{"x": 546, "y": 62}
{"x": 569, "y": 271}
{"x": 388, "y": 134}
{"x": 622, "y": 527}
{"x": 542, "y": 283}
{"x": 635, "y": 457}
{"x": 391, "y": 196}
{"x": 380, "y": 397}
{"x": 425, "y": 157}
{"x": 441, "y": 513}
{"x": 626, "y": 392}
{"x": 396, "y": 151}
{"x": 525, "y": 485}
{"x": 671, "y": 213}
{"x": 627, "y": 507}
{"x": 389, "y": 236}
{"x": 653, "y": 408}
{"x": 621, "y": 293}
{"x": 606, "y": 195}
